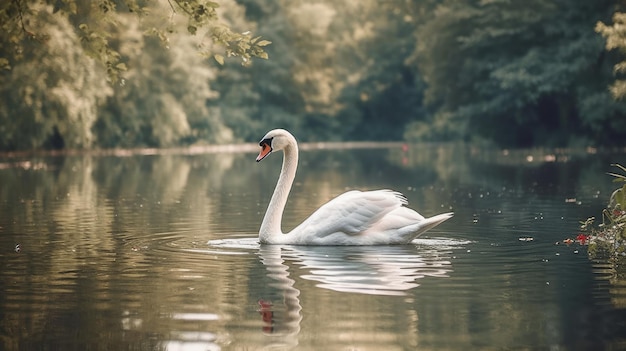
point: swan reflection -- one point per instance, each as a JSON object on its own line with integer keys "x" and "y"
{"x": 279, "y": 318}
{"x": 363, "y": 270}
{"x": 387, "y": 270}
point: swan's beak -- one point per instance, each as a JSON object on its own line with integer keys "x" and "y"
{"x": 265, "y": 150}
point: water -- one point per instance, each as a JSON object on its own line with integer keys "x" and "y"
{"x": 158, "y": 252}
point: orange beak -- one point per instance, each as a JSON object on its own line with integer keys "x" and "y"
{"x": 265, "y": 150}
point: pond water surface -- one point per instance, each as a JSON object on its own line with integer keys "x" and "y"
{"x": 159, "y": 252}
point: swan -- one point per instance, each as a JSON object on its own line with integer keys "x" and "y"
{"x": 377, "y": 217}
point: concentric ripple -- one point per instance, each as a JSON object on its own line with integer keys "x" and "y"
{"x": 377, "y": 270}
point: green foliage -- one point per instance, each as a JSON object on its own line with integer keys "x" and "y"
{"x": 56, "y": 94}
{"x": 338, "y": 75}
{"x": 94, "y": 21}
{"x": 616, "y": 213}
{"x": 615, "y": 35}
{"x": 163, "y": 101}
{"x": 514, "y": 73}
{"x": 609, "y": 239}
{"x": 96, "y": 45}
{"x": 52, "y": 98}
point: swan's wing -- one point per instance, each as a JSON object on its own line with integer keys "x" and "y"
{"x": 351, "y": 213}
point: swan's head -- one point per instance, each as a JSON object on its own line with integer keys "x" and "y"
{"x": 275, "y": 140}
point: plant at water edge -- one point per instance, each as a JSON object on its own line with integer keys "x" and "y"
{"x": 608, "y": 240}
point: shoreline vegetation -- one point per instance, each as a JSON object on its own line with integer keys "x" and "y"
{"x": 607, "y": 240}
{"x": 109, "y": 75}
{"x": 498, "y": 155}
{"x": 193, "y": 150}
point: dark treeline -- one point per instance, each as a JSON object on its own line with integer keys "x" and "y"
{"x": 519, "y": 74}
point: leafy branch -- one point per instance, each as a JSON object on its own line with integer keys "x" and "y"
{"x": 96, "y": 45}
{"x": 204, "y": 14}
{"x": 615, "y": 35}
{"x": 95, "y": 17}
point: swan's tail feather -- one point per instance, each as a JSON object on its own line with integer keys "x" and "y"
{"x": 431, "y": 222}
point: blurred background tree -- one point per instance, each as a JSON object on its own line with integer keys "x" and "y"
{"x": 114, "y": 73}
{"x": 516, "y": 73}
{"x": 148, "y": 73}
{"x": 615, "y": 35}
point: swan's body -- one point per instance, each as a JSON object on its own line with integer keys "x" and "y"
{"x": 376, "y": 217}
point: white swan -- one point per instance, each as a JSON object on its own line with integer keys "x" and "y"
{"x": 354, "y": 218}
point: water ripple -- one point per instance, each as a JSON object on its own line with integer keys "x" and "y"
{"x": 374, "y": 270}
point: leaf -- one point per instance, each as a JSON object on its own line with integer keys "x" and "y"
{"x": 264, "y": 43}
{"x": 121, "y": 66}
{"x": 618, "y": 177}
{"x": 219, "y": 59}
{"x": 5, "y": 64}
{"x": 621, "y": 198}
{"x": 263, "y": 55}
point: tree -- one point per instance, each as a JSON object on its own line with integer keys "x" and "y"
{"x": 57, "y": 59}
{"x": 338, "y": 75}
{"x": 163, "y": 101}
{"x": 615, "y": 35}
{"x": 93, "y": 22}
{"x": 513, "y": 73}
{"x": 51, "y": 96}
{"x": 383, "y": 93}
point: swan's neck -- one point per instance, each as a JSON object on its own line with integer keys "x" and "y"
{"x": 271, "y": 231}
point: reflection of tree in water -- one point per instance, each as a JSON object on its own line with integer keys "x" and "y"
{"x": 610, "y": 288}
{"x": 614, "y": 280}
{"x": 80, "y": 224}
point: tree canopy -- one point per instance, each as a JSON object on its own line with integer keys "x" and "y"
{"x": 114, "y": 74}
{"x": 515, "y": 72}
{"x": 615, "y": 35}
{"x": 156, "y": 73}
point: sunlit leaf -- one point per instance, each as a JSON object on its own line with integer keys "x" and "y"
{"x": 219, "y": 59}
{"x": 263, "y": 43}
{"x": 4, "y": 64}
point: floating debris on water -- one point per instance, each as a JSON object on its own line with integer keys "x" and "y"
{"x": 526, "y": 238}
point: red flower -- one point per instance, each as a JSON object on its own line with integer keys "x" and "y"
{"x": 582, "y": 238}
